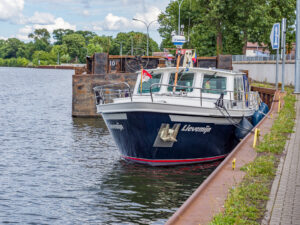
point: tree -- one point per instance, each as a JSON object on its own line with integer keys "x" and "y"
{"x": 104, "y": 41}
{"x": 13, "y": 48}
{"x": 137, "y": 40}
{"x": 58, "y": 35}
{"x": 43, "y": 58}
{"x": 75, "y": 44}
{"x": 87, "y": 35}
{"x": 41, "y": 39}
{"x": 93, "y": 48}
{"x": 226, "y": 26}
{"x": 59, "y": 51}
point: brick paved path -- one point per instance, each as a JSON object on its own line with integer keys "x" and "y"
{"x": 284, "y": 205}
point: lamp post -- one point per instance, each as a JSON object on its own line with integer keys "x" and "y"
{"x": 179, "y": 5}
{"x": 297, "y": 60}
{"x": 147, "y": 26}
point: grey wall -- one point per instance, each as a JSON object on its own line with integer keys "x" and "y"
{"x": 266, "y": 71}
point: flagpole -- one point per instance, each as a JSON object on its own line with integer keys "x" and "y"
{"x": 177, "y": 68}
{"x": 142, "y": 69}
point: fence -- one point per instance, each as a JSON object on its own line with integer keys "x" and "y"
{"x": 243, "y": 58}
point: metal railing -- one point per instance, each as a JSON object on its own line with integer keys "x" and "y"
{"x": 104, "y": 94}
{"x": 237, "y": 99}
{"x": 242, "y": 58}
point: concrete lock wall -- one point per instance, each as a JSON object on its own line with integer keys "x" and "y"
{"x": 83, "y": 102}
{"x": 266, "y": 71}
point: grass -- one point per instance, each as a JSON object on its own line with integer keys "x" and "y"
{"x": 246, "y": 203}
{"x": 264, "y": 85}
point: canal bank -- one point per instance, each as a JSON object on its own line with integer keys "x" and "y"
{"x": 208, "y": 200}
{"x": 229, "y": 199}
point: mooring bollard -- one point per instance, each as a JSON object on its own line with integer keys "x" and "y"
{"x": 233, "y": 164}
{"x": 256, "y": 137}
{"x": 279, "y": 105}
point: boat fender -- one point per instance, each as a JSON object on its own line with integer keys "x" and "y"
{"x": 264, "y": 108}
{"x": 243, "y": 129}
{"x": 257, "y": 116}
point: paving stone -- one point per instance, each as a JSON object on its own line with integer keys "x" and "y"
{"x": 283, "y": 206}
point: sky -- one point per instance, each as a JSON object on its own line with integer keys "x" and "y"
{"x": 18, "y": 18}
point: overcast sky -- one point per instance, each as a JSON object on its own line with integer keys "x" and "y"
{"x": 18, "y": 18}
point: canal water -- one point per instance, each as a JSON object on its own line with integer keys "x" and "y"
{"x": 55, "y": 169}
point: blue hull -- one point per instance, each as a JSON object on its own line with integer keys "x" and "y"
{"x": 136, "y": 134}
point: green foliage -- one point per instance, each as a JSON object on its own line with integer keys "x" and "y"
{"x": 218, "y": 26}
{"x": 14, "y": 62}
{"x": 12, "y": 48}
{"x": 41, "y": 39}
{"x": 135, "y": 39}
{"x": 70, "y": 46}
{"x": 43, "y": 58}
{"x": 93, "y": 48}
{"x": 246, "y": 203}
{"x": 275, "y": 140}
{"x": 75, "y": 44}
{"x": 58, "y": 35}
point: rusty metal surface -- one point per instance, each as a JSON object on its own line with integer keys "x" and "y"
{"x": 224, "y": 62}
{"x": 209, "y": 198}
{"x": 100, "y": 63}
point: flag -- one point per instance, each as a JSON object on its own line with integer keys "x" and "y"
{"x": 146, "y": 76}
{"x": 194, "y": 57}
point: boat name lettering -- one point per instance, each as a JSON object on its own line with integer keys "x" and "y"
{"x": 116, "y": 126}
{"x": 189, "y": 128}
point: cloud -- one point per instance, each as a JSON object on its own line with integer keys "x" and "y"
{"x": 54, "y": 24}
{"x": 10, "y": 10}
{"x": 120, "y": 23}
{"x": 41, "y": 18}
{"x": 3, "y": 38}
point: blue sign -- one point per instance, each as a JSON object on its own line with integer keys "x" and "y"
{"x": 275, "y": 36}
{"x": 178, "y": 40}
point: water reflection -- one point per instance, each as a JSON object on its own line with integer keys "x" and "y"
{"x": 59, "y": 170}
{"x": 125, "y": 192}
{"x": 150, "y": 194}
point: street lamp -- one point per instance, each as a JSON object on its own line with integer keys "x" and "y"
{"x": 147, "y": 26}
{"x": 179, "y": 5}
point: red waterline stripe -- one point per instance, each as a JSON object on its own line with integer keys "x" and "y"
{"x": 174, "y": 160}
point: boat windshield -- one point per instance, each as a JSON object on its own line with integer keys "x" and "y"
{"x": 184, "y": 79}
{"x": 216, "y": 83}
{"x": 156, "y": 77}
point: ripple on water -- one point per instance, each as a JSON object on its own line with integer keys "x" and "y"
{"x": 55, "y": 169}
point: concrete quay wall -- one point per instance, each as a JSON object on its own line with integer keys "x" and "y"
{"x": 83, "y": 100}
{"x": 265, "y": 71}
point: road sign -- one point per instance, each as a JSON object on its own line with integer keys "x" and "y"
{"x": 275, "y": 36}
{"x": 178, "y": 40}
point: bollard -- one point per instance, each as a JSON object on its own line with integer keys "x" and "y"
{"x": 233, "y": 164}
{"x": 279, "y": 105}
{"x": 256, "y": 137}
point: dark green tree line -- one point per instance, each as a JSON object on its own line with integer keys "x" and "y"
{"x": 69, "y": 47}
{"x": 225, "y": 26}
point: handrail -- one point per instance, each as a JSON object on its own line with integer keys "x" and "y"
{"x": 201, "y": 91}
{"x": 100, "y": 88}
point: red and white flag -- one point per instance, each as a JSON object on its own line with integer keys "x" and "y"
{"x": 146, "y": 76}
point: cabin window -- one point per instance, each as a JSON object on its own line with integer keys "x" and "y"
{"x": 184, "y": 79}
{"x": 147, "y": 84}
{"x": 214, "y": 84}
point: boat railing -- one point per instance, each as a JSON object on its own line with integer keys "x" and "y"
{"x": 236, "y": 99}
{"x": 107, "y": 93}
